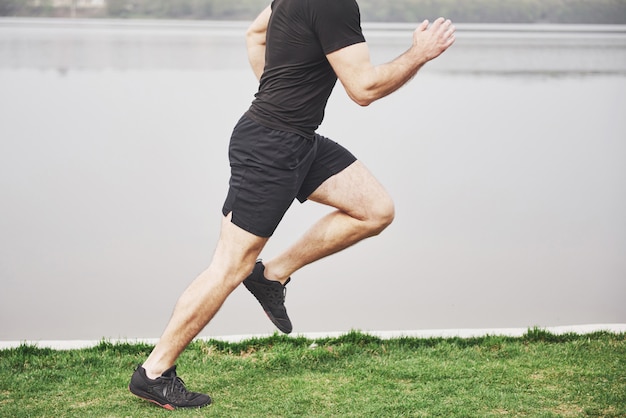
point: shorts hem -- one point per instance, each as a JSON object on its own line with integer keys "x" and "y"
{"x": 303, "y": 196}
{"x": 245, "y": 226}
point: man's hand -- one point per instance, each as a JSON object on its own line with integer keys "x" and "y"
{"x": 432, "y": 41}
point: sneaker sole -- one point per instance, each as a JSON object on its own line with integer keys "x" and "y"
{"x": 166, "y": 406}
{"x": 276, "y": 323}
{"x": 267, "y": 312}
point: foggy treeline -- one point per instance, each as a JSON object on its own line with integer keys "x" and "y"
{"x": 465, "y": 11}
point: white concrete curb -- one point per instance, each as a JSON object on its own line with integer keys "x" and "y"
{"x": 444, "y": 333}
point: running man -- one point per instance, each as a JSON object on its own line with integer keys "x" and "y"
{"x": 297, "y": 49}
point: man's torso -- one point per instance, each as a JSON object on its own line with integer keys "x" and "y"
{"x": 298, "y": 79}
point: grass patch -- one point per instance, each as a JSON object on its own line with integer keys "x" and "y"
{"x": 537, "y": 375}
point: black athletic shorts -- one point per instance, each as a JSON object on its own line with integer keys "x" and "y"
{"x": 270, "y": 168}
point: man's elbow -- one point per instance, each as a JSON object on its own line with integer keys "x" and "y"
{"x": 363, "y": 91}
{"x": 363, "y": 102}
{"x": 252, "y": 29}
{"x": 251, "y": 36}
{"x": 362, "y": 97}
{"x": 255, "y": 35}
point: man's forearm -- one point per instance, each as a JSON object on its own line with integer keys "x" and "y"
{"x": 389, "y": 77}
{"x": 393, "y": 75}
{"x": 366, "y": 83}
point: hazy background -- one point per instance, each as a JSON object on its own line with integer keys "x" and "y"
{"x": 506, "y": 159}
{"x": 466, "y": 11}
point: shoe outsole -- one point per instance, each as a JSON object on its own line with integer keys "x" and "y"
{"x": 166, "y": 406}
{"x": 271, "y": 317}
{"x": 278, "y": 325}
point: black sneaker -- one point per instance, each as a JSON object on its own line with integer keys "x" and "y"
{"x": 271, "y": 296}
{"x": 167, "y": 391}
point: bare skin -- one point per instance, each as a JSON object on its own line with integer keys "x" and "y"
{"x": 361, "y": 212}
{"x": 366, "y": 83}
{"x": 364, "y": 209}
{"x": 362, "y": 206}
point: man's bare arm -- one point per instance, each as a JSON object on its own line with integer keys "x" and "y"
{"x": 255, "y": 42}
{"x": 366, "y": 83}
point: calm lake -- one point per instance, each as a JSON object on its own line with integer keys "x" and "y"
{"x": 506, "y": 158}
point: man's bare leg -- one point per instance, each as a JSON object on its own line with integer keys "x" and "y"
{"x": 234, "y": 258}
{"x": 364, "y": 209}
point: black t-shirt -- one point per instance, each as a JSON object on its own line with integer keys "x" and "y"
{"x": 297, "y": 79}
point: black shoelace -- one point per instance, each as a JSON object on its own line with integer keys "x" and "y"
{"x": 176, "y": 390}
{"x": 277, "y": 294}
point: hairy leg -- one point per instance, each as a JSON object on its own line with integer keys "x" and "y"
{"x": 364, "y": 209}
{"x": 234, "y": 258}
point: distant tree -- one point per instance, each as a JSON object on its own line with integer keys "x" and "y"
{"x": 119, "y": 8}
{"x": 204, "y": 9}
{"x": 460, "y": 11}
{"x": 26, "y": 8}
{"x": 10, "y": 7}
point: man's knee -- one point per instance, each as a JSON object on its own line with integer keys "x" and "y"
{"x": 230, "y": 275}
{"x": 236, "y": 253}
{"x": 382, "y": 213}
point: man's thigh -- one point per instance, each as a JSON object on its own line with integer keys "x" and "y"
{"x": 354, "y": 190}
{"x": 330, "y": 159}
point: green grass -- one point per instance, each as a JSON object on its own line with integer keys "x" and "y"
{"x": 355, "y": 375}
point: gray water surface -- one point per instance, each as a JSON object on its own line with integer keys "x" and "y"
{"x": 506, "y": 158}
